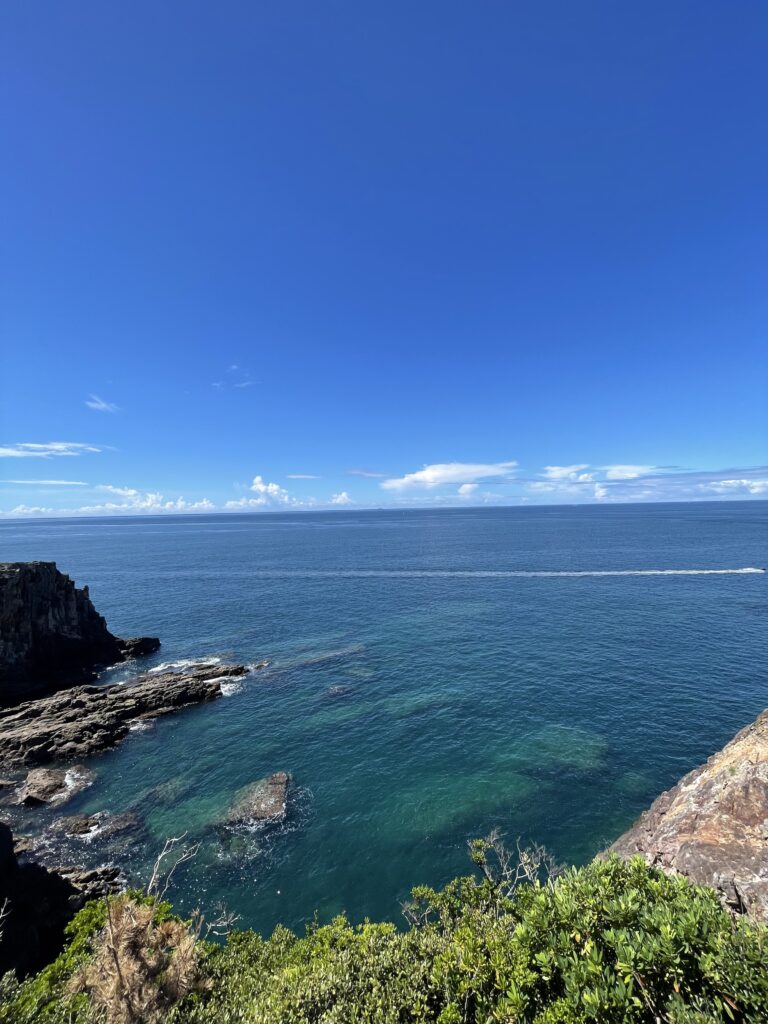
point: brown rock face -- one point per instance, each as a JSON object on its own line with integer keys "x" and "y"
{"x": 53, "y": 785}
{"x": 84, "y": 720}
{"x": 713, "y": 825}
{"x": 50, "y": 633}
{"x": 262, "y": 801}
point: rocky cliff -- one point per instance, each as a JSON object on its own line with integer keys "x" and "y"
{"x": 37, "y": 903}
{"x": 50, "y": 633}
{"x": 713, "y": 825}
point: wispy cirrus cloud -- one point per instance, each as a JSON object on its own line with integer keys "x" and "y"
{"x": 302, "y": 476}
{"x": 52, "y": 449}
{"x": 100, "y": 404}
{"x": 366, "y": 473}
{"x": 575, "y": 472}
{"x": 48, "y": 483}
{"x": 626, "y": 472}
{"x": 440, "y": 473}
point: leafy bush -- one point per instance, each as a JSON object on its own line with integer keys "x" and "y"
{"x": 609, "y": 943}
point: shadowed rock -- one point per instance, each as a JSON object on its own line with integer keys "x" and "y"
{"x": 40, "y": 902}
{"x": 713, "y": 825}
{"x": 262, "y": 801}
{"x": 50, "y": 633}
{"x": 85, "y": 720}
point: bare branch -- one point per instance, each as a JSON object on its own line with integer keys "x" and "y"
{"x": 160, "y": 881}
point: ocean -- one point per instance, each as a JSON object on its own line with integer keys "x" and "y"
{"x": 432, "y": 675}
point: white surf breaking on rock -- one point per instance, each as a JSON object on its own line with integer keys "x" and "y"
{"x": 179, "y": 666}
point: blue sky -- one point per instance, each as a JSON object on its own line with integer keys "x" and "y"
{"x": 292, "y": 255}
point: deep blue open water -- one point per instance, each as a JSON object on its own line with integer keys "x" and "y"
{"x": 555, "y": 707}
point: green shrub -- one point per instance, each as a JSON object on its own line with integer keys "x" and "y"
{"x": 609, "y": 943}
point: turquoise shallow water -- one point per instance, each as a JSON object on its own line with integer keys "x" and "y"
{"x": 471, "y": 695}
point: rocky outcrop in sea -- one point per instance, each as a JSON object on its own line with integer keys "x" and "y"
{"x": 84, "y": 720}
{"x": 712, "y": 826}
{"x": 50, "y": 633}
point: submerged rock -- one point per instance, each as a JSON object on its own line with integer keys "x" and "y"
{"x": 263, "y": 801}
{"x": 340, "y": 690}
{"x": 712, "y": 826}
{"x": 50, "y": 633}
{"x": 102, "y": 823}
{"x": 53, "y": 785}
{"x": 85, "y": 720}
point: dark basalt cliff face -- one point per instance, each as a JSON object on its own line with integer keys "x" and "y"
{"x": 712, "y": 826}
{"x": 50, "y": 633}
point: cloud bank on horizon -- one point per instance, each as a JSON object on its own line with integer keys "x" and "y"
{"x": 440, "y": 484}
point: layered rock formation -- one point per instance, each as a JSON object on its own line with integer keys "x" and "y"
{"x": 50, "y": 633}
{"x": 713, "y": 825}
{"x": 83, "y": 720}
{"x": 38, "y": 905}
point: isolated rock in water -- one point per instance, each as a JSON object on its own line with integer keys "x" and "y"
{"x": 85, "y": 720}
{"x": 54, "y": 785}
{"x": 50, "y": 633}
{"x": 262, "y": 801}
{"x": 40, "y": 903}
{"x": 138, "y": 646}
{"x": 712, "y": 826}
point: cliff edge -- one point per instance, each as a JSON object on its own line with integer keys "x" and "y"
{"x": 712, "y": 826}
{"x": 50, "y": 633}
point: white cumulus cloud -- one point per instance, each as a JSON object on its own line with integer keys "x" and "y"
{"x": 270, "y": 491}
{"x": 449, "y": 473}
{"x": 342, "y": 498}
{"x": 467, "y": 489}
{"x": 736, "y": 486}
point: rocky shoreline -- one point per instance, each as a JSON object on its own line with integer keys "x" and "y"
{"x": 85, "y": 720}
{"x": 712, "y": 826}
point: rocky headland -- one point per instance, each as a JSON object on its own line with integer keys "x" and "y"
{"x": 712, "y": 826}
{"x": 84, "y": 720}
{"x": 50, "y": 633}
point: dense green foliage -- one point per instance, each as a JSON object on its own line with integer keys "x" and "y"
{"x": 610, "y": 942}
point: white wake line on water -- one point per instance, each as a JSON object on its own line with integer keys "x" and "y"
{"x": 490, "y": 573}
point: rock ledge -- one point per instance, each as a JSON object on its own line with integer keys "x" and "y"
{"x": 84, "y": 720}
{"x": 712, "y": 826}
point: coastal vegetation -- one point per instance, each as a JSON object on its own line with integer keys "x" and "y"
{"x": 612, "y": 942}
